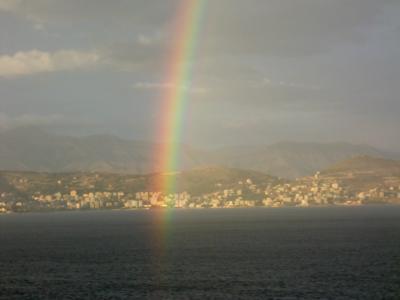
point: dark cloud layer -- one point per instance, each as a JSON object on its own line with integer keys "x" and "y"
{"x": 264, "y": 71}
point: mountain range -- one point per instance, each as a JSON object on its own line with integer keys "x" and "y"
{"x": 33, "y": 149}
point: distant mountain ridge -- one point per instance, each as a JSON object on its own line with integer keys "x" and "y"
{"x": 31, "y": 149}
{"x": 294, "y": 159}
{"x": 364, "y": 164}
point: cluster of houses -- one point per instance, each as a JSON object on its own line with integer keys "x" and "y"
{"x": 310, "y": 191}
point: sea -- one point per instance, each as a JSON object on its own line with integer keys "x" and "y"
{"x": 249, "y": 253}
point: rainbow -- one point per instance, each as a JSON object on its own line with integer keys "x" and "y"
{"x": 180, "y": 60}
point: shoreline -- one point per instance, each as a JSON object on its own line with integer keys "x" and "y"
{"x": 198, "y": 208}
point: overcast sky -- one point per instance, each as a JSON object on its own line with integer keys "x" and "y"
{"x": 265, "y": 70}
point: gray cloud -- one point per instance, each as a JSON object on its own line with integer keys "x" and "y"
{"x": 288, "y": 27}
{"x": 255, "y": 26}
{"x": 167, "y": 86}
{"x": 35, "y": 61}
{"x": 95, "y": 11}
{"x": 293, "y": 69}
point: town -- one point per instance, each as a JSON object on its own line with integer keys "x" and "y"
{"x": 304, "y": 192}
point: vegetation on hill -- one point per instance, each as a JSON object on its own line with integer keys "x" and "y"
{"x": 365, "y": 172}
{"x": 197, "y": 181}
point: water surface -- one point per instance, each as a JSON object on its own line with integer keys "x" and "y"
{"x": 288, "y": 253}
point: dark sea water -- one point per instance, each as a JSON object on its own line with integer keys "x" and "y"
{"x": 315, "y": 253}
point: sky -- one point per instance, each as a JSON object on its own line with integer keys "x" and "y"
{"x": 264, "y": 71}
